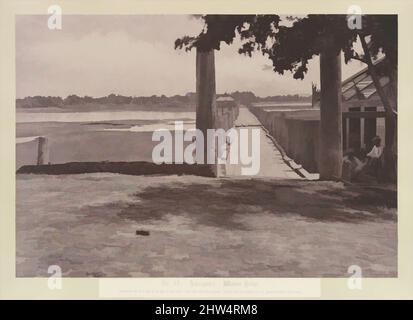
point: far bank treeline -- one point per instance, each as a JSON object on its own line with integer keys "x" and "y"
{"x": 188, "y": 100}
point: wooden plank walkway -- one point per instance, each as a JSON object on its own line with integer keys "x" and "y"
{"x": 271, "y": 161}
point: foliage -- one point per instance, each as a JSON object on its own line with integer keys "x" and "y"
{"x": 244, "y": 97}
{"x": 290, "y": 42}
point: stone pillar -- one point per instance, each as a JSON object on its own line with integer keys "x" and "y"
{"x": 331, "y": 153}
{"x": 205, "y": 96}
{"x": 42, "y": 151}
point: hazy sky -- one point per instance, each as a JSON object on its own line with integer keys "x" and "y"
{"x": 134, "y": 55}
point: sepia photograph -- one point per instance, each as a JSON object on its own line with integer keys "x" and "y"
{"x": 206, "y": 145}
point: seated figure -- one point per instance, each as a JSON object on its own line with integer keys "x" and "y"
{"x": 352, "y": 166}
{"x": 355, "y": 169}
{"x": 374, "y": 158}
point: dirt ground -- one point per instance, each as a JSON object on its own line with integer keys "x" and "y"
{"x": 193, "y": 226}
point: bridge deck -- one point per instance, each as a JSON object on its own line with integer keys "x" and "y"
{"x": 272, "y": 164}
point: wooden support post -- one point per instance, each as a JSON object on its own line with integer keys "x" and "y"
{"x": 390, "y": 143}
{"x": 42, "y": 151}
{"x": 205, "y": 96}
{"x": 362, "y": 131}
{"x": 354, "y": 131}
{"x": 390, "y": 121}
{"x": 345, "y": 122}
{"x": 370, "y": 129}
{"x": 331, "y": 153}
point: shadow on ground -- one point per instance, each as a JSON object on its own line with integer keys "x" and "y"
{"x": 197, "y": 227}
{"x": 216, "y": 205}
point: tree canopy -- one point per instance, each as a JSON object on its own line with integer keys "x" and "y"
{"x": 290, "y": 42}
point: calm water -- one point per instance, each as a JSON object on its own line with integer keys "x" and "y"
{"x": 94, "y": 136}
{"x": 25, "y": 117}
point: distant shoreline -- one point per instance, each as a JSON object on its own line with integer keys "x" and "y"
{"x": 114, "y": 102}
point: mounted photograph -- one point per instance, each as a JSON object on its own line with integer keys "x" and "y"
{"x": 206, "y": 145}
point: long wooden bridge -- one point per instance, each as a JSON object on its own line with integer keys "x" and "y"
{"x": 322, "y": 133}
{"x": 272, "y": 162}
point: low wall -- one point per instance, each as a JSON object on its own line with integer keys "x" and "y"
{"x": 131, "y": 168}
{"x": 296, "y": 130}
